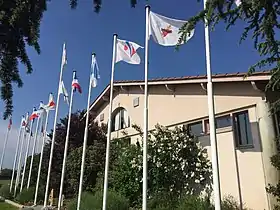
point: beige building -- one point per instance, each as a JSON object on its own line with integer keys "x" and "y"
{"x": 245, "y": 128}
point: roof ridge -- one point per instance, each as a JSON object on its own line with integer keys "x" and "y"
{"x": 217, "y": 75}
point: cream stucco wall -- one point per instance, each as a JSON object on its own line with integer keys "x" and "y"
{"x": 242, "y": 171}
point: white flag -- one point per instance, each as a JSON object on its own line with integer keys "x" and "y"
{"x": 127, "y": 52}
{"x": 94, "y": 72}
{"x": 63, "y": 91}
{"x": 64, "y": 58}
{"x": 165, "y": 31}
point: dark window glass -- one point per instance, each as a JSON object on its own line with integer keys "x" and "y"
{"x": 195, "y": 128}
{"x": 242, "y": 129}
{"x": 223, "y": 121}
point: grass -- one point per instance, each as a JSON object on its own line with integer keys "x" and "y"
{"x": 5, "y": 206}
{"x": 4, "y": 181}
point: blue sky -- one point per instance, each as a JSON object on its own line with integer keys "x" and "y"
{"x": 85, "y": 32}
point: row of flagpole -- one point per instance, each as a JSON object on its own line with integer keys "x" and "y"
{"x": 161, "y": 29}
{"x": 154, "y": 25}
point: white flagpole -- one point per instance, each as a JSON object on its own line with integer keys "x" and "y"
{"x": 20, "y": 154}
{"x": 4, "y": 148}
{"x": 16, "y": 154}
{"x": 85, "y": 140}
{"x": 105, "y": 190}
{"x": 26, "y": 152}
{"x": 39, "y": 121}
{"x": 41, "y": 156}
{"x": 211, "y": 111}
{"x": 54, "y": 129}
{"x": 145, "y": 133}
{"x": 66, "y": 145}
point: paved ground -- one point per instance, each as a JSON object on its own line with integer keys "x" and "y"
{"x": 34, "y": 208}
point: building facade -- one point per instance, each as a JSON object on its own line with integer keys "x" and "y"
{"x": 245, "y": 128}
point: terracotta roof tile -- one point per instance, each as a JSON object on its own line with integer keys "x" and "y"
{"x": 237, "y": 74}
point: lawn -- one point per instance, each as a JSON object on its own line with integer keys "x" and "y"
{"x": 5, "y": 206}
{"x": 4, "y": 181}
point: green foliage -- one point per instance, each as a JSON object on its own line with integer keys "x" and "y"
{"x": 26, "y": 196}
{"x": 162, "y": 201}
{"x": 176, "y": 163}
{"x": 194, "y": 203}
{"x": 115, "y": 201}
{"x": 20, "y": 26}
{"x": 5, "y": 206}
{"x": 229, "y": 203}
{"x": 96, "y": 144}
{"x": 5, "y": 191}
{"x": 97, "y": 4}
{"x": 261, "y": 20}
{"x": 6, "y": 174}
{"x": 94, "y": 163}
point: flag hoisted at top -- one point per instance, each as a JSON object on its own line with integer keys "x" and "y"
{"x": 127, "y": 51}
{"x": 50, "y": 105}
{"x": 95, "y": 74}
{"x": 165, "y": 31}
{"x": 64, "y": 57}
{"x": 76, "y": 85}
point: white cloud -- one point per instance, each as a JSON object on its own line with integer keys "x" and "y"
{"x": 12, "y": 143}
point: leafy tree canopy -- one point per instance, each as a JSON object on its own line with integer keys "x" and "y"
{"x": 262, "y": 22}
{"x": 19, "y": 26}
{"x": 95, "y": 154}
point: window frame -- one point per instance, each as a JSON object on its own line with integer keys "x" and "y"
{"x": 237, "y": 132}
{"x": 120, "y": 111}
{"x": 218, "y": 129}
{"x": 188, "y": 125}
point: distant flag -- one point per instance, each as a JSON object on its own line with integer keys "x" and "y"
{"x": 51, "y": 104}
{"x": 127, "y": 52}
{"x": 23, "y": 122}
{"x": 36, "y": 114}
{"x": 95, "y": 76}
{"x": 64, "y": 57}
{"x": 10, "y": 124}
{"x": 165, "y": 31}
{"x": 76, "y": 85}
{"x": 63, "y": 91}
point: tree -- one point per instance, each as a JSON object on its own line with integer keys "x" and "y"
{"x": 177, "y": 164}
{"x": 262, "y": 21}
{"x": 19, "y": 26}
{"x": 94, "y": 163}
{"x": 96, "y": 143}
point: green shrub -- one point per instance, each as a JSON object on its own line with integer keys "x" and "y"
{"x": 230, "y": 203}
{"x": 5, "y": 191}
{"x": 26, "y": 196}
{"x": 115, "y": 201}
{"x": 194, "y": 203}
{"x": 162, "y": 201}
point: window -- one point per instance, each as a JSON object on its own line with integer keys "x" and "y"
{"x": 136, "y": 102}
{"x": 195, "y": 128}
{"x": 220, "y": 122}
{"x": 120, "y": 119}
{"x": 242, "y": 129}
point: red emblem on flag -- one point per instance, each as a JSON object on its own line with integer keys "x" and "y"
{"x": 166, "y": 31}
